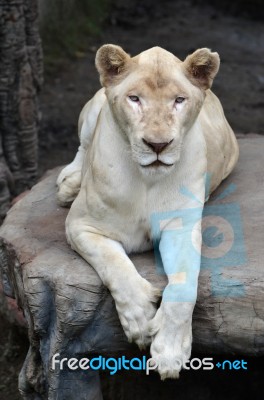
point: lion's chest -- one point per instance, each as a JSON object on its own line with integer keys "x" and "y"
{"x": 138, "y": 229}
{"x": 126, "y": 214}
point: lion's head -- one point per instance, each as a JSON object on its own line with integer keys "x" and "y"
{"x": 155, "y": 99}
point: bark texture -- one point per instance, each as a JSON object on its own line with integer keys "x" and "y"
{"x": 69, "y": 311}
{"x": 21, "y": 75}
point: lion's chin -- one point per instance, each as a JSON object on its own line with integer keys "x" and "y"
{"x": 156, "y": 169}
{"x": 156, "y": 164}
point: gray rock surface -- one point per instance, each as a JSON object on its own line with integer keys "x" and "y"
{"x": 69, "y": 311}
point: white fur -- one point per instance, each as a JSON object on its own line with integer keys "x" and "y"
{"x": 111, "y": 215}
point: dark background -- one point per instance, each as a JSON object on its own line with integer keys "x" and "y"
{"x": 233, "y": 29}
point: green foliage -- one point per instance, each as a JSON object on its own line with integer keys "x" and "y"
{"x": 66, "y": 26}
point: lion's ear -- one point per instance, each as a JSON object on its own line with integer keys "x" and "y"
{"x": 111, "y": 61}
{"x": 201, "y": 67}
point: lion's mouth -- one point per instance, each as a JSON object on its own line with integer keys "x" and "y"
{"x": 157, "y": 163}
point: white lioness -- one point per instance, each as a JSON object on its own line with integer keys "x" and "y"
{"x": 153, "y": 129}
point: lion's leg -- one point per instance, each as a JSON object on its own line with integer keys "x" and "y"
{"x": 179, "y": 247}
{"x": 69, "y": 180}
{"x": 134, "y": 296}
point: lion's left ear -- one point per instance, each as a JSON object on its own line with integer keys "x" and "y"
{"x": 201, "y": 67}
{"x": 111, "y": 61}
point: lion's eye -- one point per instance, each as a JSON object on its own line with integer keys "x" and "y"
{"x": 134, "y": 98}
{"x": 179, "y": 99}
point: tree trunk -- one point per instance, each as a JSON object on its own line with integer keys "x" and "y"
{"x": 21, "y": 76}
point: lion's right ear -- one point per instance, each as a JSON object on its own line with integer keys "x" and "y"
{"x": 111, "y": 61}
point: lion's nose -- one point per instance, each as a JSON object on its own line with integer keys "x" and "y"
{"x": 157, "y": 147}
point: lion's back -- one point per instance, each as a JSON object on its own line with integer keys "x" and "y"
{"x": 222, "y": 147}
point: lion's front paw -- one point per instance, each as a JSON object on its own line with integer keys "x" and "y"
{"x": 171, "y": 343}
{"x": 136, "y": 306}
{"x": 68, "y": 182}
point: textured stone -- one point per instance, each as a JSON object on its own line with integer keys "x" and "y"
{"x": 69, "y": 311}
